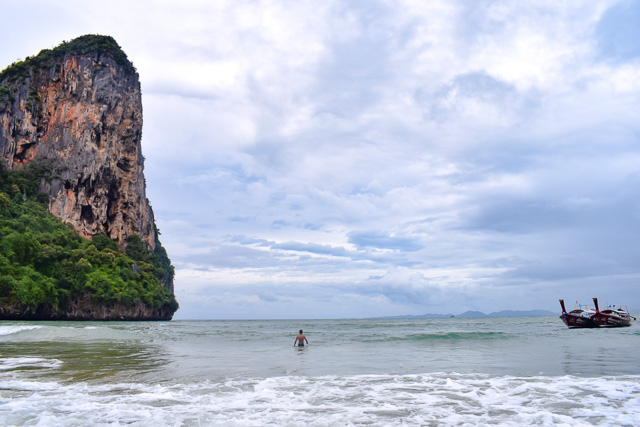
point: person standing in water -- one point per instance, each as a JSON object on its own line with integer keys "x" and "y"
{"x": 300, "y": 340}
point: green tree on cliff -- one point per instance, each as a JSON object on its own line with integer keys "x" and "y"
{"x": 45, "y": 264}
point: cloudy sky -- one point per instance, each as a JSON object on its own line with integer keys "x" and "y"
{"x": 323, "y": 159}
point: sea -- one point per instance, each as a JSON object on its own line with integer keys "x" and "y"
{"x": 516, "y": 371}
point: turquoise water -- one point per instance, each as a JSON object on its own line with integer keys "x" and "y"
{"x": 500, "y": 371}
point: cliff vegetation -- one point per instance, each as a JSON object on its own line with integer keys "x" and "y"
{"x": 49, "y": 271}
{"x": 83, "y": 45}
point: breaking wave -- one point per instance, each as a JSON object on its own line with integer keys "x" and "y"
{"x": 393, "y": 400}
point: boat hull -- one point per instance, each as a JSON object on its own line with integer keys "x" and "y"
{"x": 573, "y": 321}
{"x": 605, "y": 320}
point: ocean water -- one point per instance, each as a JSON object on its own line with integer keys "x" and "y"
{"x": 389, "y": 372}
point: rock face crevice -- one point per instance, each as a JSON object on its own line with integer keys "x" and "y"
{"x": 81, "y": 115}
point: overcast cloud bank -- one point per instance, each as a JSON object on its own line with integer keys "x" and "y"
{"x": 358, "y": 159}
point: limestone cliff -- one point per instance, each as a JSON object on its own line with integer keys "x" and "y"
{"x": 78, "y": 109}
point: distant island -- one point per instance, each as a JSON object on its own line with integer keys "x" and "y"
{"x": 503, "y": 313}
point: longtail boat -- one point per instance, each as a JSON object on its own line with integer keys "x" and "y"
{"x": 612, "y": 317}
{"x": 578, "y": 318}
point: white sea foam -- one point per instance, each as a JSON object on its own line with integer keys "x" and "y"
{"x": 27, "y": 362}
{"x": 14, "y": 329}
{"x": 433, "y": 399}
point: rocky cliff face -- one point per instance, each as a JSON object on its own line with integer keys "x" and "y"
{"x": 82, "y": 308}
{"x": 78, "y": 109}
